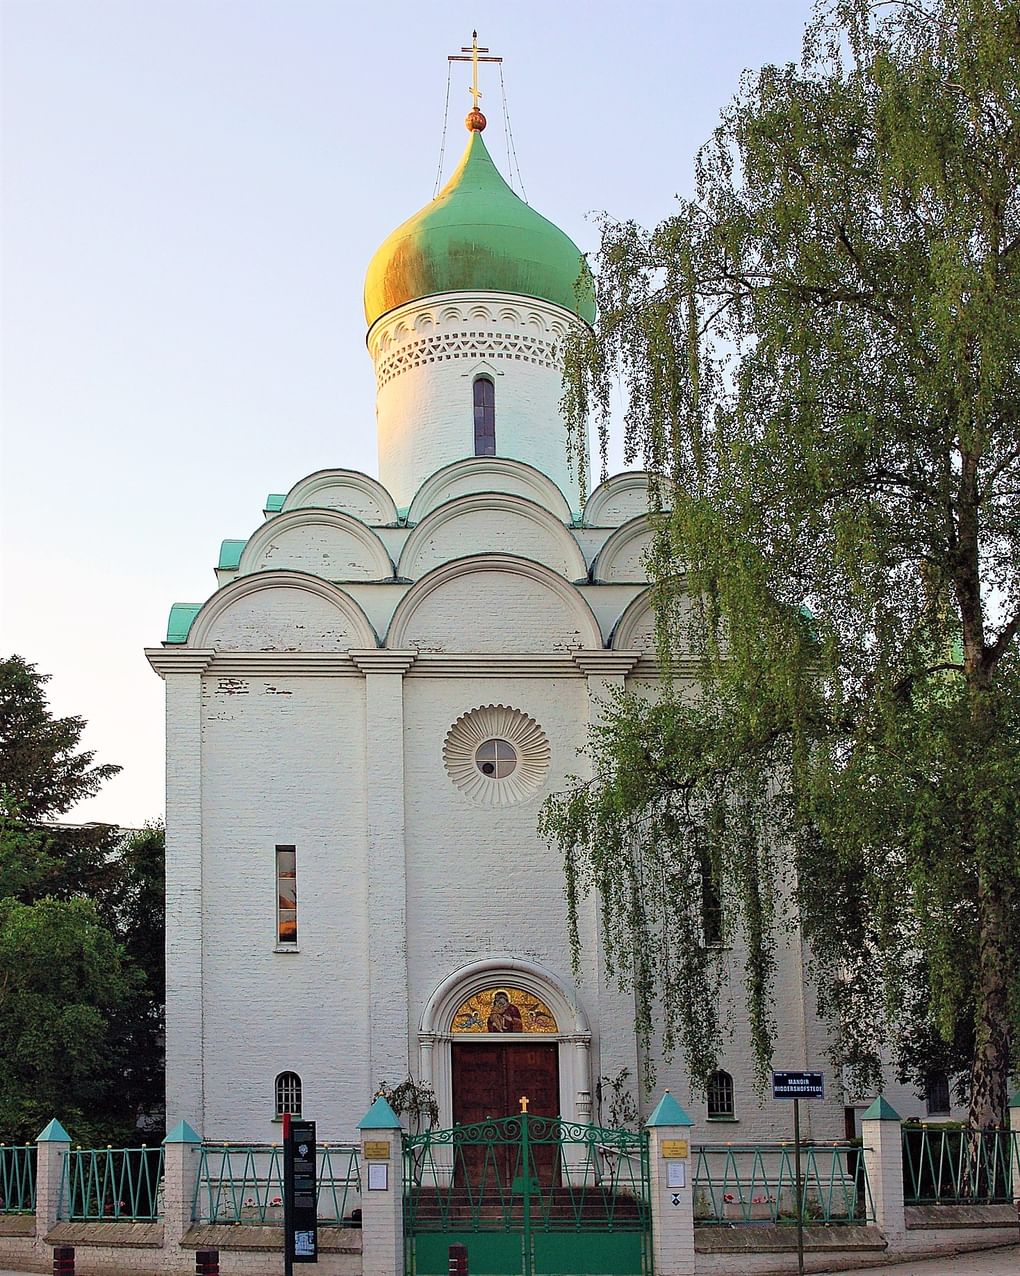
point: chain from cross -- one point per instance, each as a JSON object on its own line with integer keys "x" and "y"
{"x": 474, "y": 50}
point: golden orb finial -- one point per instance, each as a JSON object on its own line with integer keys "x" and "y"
{"x": 475, "y": 120}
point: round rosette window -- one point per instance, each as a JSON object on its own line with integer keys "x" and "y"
{"x": 496, "y": 756}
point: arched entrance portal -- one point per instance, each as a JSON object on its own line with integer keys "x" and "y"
{"x": 501, "y": 1029}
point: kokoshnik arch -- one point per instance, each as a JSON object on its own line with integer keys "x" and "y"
{"x": 364, "y": 718}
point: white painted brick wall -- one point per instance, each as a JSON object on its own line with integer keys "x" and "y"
{"x": 284, "y": 764}
{"x": 254, "y": 762}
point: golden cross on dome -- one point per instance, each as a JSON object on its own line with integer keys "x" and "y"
{"x": 524, "y": 1102}
{"x": 473, "y": 50}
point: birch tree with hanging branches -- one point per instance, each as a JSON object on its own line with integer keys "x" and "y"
{"x": 821, "y": 358}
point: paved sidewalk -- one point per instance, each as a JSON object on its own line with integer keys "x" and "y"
{"x": 993, "y": 1262}
{"x": 996, "y": 1262}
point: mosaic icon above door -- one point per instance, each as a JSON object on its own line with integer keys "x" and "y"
{"x": 504, "y": 1009}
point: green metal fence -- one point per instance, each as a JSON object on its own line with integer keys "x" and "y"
{"x": 17, "y": 1179}
{"x": 738, "y": 1183}
{"x": 243, "y": 1183}
{"x": 528, "y": 1195}
{"x": 111, "y": 1183}
{"x": 946, "y": 1165}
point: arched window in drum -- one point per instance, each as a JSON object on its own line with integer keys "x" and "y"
{"x": 484, "y": 391}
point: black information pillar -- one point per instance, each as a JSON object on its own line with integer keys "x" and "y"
{"x": 300, "y": 1225}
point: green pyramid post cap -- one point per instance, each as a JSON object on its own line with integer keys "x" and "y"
{"x": 380, "y": 1116}
{"x": 881, "y": 1110}
{"x": 183, "y": 1133}
{"x": 54, "y": 1133}
{"x": 1015, "y": 1101}
{"x": 668, "y": 1112}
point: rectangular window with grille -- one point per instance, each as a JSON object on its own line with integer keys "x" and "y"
{"x": 937, "y": 1094}
{"x": 286, "y": 895}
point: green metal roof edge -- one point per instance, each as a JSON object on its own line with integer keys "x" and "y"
{"x": 274, "y": 502}
{"x": 668, "y": 1112}
{"x": 380, "y": 1116}
{"x": 230, "y": 554}
{"x": 53, "y": 1133}
{"x": 1015, "y": 1101}
{"x": 182, "y": 617}
{"x": 881, "y": 1110}
{"x": 183, "y": 1133}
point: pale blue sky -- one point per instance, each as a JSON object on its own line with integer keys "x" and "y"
{"x": 192, "y": 190}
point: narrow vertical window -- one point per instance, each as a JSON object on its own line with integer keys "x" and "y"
{"x": 286, "y": 895}
{"x": 288, "y": 1094}
{"x": 711, "y": 901}
{"x": 485, "y": 416}
{"x": 720, "y": 1096}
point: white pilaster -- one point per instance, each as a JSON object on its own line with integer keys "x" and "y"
{"x": 1014, "y": 1127}
{"x": 605, "y": 672}
{"x": 184, "y": 938}
{"x": 387, "y": 880}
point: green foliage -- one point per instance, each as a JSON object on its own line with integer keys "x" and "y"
{"x": 415, "y": 1100}
{"x": 62, "y": 979}
{"x": 81, "y": 936}
{"x": 822, "y": 361}
{"x": 617, "y": 1107}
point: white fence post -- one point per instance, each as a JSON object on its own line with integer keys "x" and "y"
{"x": 181, "y": 1158}
{"x": 382, "y": 1191}
{"x": 1014, "y": 1160}
{"x": 882, "y": 1134}
{"x": 671, "y": 1183}
{"x": 52, "y": 1146}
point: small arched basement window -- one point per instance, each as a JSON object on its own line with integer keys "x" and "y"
{"x": 484, "y": 391}
{"x": 288, "y": 1094}
{"x": 720, "y": 1096}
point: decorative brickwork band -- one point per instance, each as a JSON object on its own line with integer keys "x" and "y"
{"x": 467, "y": 345}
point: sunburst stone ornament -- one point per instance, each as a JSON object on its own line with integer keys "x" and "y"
{"x": 496, "y": 756}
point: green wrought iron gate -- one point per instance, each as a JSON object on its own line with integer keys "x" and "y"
{"x": 528, "y": 1196}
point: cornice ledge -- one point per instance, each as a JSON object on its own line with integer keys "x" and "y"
{"x": 494, "y": 664}
{"x": 606, "y": 663}
{"x": 381, "y": 661}
{"x": 179, "y": 659}
{"x": 253, "y": 664}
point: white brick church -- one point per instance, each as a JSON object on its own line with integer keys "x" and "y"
{"x": 365, "y": 717}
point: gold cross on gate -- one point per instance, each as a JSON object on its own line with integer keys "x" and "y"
{"x": 524, "y": 1103}
{"x": 473, "y": 50}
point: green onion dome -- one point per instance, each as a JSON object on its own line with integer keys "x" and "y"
{"x": 478, "y": 236}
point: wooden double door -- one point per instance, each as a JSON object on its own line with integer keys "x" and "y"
{"x": 489, "y": 1080}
